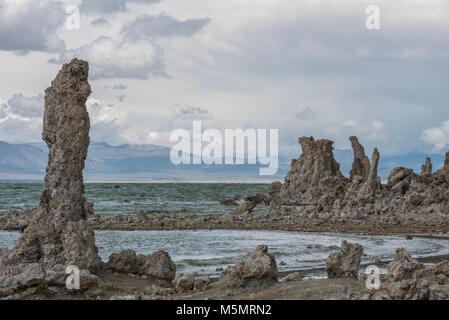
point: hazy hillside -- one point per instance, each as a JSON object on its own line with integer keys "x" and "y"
{"x": 21, "y": 159}
{"x": 152, "y": 163}
{"x": 125, "y": 162}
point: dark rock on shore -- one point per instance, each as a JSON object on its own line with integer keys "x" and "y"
{"x": 157, "y": 265}
{"x": 408, "y": 279}
{"x": 317, "y": 188}
{"x": 256, "y": 268}
{"x": 345, "y": 263}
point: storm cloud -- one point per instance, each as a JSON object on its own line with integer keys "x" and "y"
{"x": 31, "y": 25}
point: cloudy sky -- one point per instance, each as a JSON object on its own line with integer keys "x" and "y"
{"x": 308, "y": 67}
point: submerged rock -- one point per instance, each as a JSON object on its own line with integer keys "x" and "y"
{"x": 231, "y": 201}
{"x": 345, "y": 263}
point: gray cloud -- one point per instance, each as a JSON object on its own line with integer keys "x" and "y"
{"x": 151, "y": 27}
{"x": 121, "y": 98}
{"x": 3, "y": 108}
{"x": 100, "y": 22}
{"x": 191, "y": 112}
{"x": 104, "y": 126}
{"x": 306, "y": 114}
{"x": 27, "y": 106}
{"x": 32, "y": 28}
{"x": 137, "y": 56}
{"x": 17, "y": 130}
{"x": 119, "y": 87}
{"x": 109, "y": 6}
{"x": 124, "y": 59}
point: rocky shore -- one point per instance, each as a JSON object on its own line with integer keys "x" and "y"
{"x": 432, "y": 225}
{"x": 127, "y": 276}
{"x": 58, "y": 237}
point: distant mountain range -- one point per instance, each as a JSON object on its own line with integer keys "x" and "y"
{"x": 152, "y": 163}
{"x": 126, "y": 163}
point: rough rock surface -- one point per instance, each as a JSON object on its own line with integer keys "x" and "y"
{"x": 427, "y": 167}
{"x": 403, "y": 266}
{"x": 21, "y": 277}
{"x": 316, "y": 187}
{"x": 157, "y": 265}
{"x": 16, "y": 220}
{"x": 346, "y": 262}
{"x": 372, "y": 184}
{"x": 315, "y": 177}
{"x": 361, "y": 165}
{"x": 408, "y": 279}
{"x": 184, "y": 282}
{"x": 256, "y": 268}
{"x": 57, "y": 233}
{"x": 126, "y": 261}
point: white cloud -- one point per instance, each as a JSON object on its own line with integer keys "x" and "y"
{"x": 151, "y": 27}
{"x": 377, "y": 132}
{"x": 438, "y": 136}
{"x": 254, "y": 63}
{"x": 109, "y": 6}
{"x": 350, "y": 124}
{"x": 27, "y": 106}
{"x": 126, "y": 59}
{"x": 19, "y": 130}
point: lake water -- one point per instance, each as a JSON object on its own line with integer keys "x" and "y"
{"x": 193, "y": 198}
{"x": 204, "y": 251}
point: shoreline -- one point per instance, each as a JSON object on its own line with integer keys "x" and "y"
{"x": 312, "y": 283}
{"x": 410, "y": 225}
